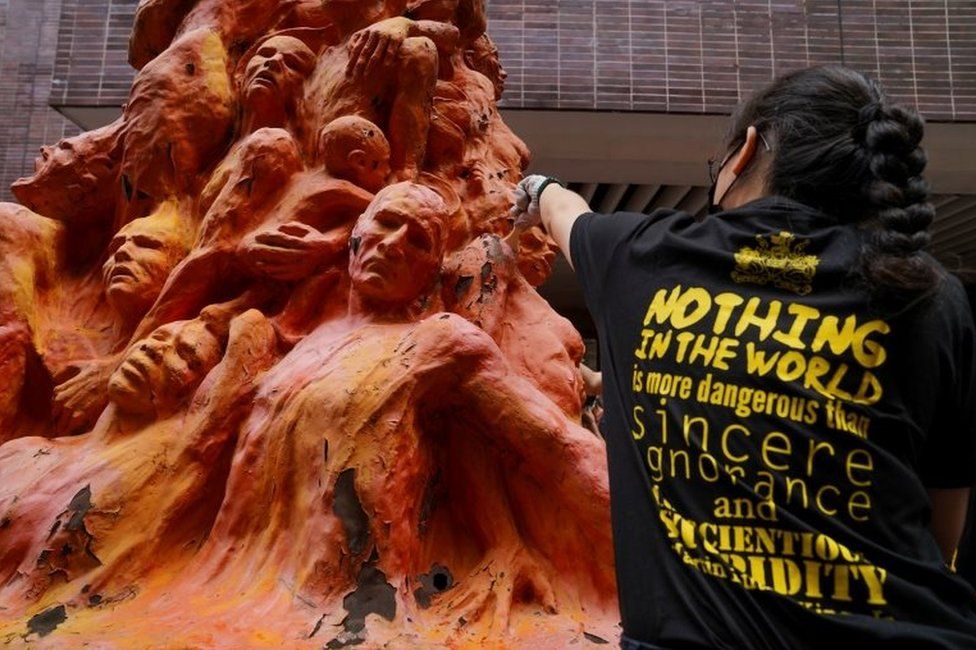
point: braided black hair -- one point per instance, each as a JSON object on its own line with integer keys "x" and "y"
{"x": 841, "y": 146}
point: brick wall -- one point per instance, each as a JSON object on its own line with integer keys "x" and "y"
{"x": 91, "y": 67}
{"x": 28, "y": 34}
{"x": 697, "y": 56}
{"x": 701, "y": 56}
{"x": 56, "y": 52}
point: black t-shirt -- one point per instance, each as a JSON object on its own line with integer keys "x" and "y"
{"x": 771, "y": 434}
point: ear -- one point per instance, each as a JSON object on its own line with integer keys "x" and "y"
{"x": 735, "y": 166}
{"x": 357, "y": 158}
{"x": 746, "y": 151}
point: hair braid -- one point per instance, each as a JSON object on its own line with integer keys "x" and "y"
{"x": 893, "y": 261}
{"x": 840, "y": 146}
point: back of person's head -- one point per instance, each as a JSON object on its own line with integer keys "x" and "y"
{"x": 840, "y": 145}
{"x": 356, "y": 150}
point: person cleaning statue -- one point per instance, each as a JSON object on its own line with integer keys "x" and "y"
{"x": 789, "y": 384}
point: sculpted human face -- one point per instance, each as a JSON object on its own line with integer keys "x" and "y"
{"x": 141, "y": 257}
{"x": 371, "y": 165}
{"x": 59, "y": 156}
{"x": 74, "y": 180}
{"x": 160, "y": 372}
{"x": 395, "y": 250}
{"x": 536, "y": 255}
{"x": 275, "y": 73}
{"x": 483, "y": 58}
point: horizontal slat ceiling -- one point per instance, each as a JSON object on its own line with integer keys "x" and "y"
{"x": 953, "y": 234}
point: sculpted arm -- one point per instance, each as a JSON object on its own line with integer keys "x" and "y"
{"x": 380, "y": 43}
{"x": 526, "y": 422}
{"x": 316, "y": 231}
{"x": 221, "y": 400}
{"x": 520, "y": 419}
{"x": 189, "y": 287}
{"x": 444, "y": 35}
{"x": 290, "y": 251}
{"x": 545, "y": 455}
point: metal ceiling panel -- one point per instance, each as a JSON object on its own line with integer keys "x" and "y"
{"x": 953, "y": 234}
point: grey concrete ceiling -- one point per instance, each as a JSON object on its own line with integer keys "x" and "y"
{"x": 642, "y": 161}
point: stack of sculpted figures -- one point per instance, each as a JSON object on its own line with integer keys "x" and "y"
{"x": 274, "y": 371}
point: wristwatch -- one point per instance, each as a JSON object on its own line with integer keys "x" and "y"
{"x": 546, "y": 183}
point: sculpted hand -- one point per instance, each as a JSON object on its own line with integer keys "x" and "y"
{"x": 377, "y": 44}
{"x": 288, "y": 252}
{"x": 250, "y": 346}
{"x": 78, "y": 400}
{"x": 592, "y": 380}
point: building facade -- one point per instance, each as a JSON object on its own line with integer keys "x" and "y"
{"x": 624, "y": 98}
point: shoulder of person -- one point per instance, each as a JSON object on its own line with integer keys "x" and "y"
{"x": 951, "y": 299}
{"x": 625, "y": 218}
{"x": 624, "y": 225}
{"x": 451, "y": 332}
{"x": 946, "y": 311}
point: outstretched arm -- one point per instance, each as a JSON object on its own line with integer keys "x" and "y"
{"x": 190, "y": 287}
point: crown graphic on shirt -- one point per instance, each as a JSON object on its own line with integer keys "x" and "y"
{"x": 778, "y": 260}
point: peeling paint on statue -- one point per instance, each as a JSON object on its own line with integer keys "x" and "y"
{"x": 265, "y": 351}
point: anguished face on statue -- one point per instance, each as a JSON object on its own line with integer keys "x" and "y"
{"x": 141, "y": 257}
{"x": 274, "y": 75}
{"x": 74, "y": 180}
{"x": 160, "y": 372}
{"x": 536, "y": 255}
{"x": 396, "y": 244}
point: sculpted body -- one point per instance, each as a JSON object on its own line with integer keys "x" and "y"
{"x": 47, "y": 293}
{"x": 114, "y": 479}
{"x": 484, "y": 283}
{"x": 391, "y": 388}
{"x": 261, "y": 387}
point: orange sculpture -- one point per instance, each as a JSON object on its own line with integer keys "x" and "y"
{"x": 275, "y": 373}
